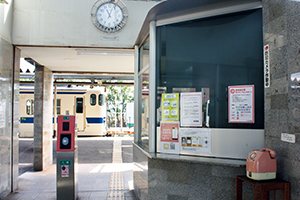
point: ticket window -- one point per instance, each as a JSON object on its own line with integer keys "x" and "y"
{"x": 209, "y": 57}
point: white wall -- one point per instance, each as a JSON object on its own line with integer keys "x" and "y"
{"x": 6, "y": 11}
{"x": 68, "y": 23}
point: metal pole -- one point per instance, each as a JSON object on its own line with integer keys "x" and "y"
{"x": 55, "y": 109}
{"x": 152, "y": 87}
{"x": 116, "y": 115}
{"x": 121, "y": 112}
{"x": 137, "y": 99}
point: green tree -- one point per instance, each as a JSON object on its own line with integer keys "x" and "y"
{"x": 117, "y": 99}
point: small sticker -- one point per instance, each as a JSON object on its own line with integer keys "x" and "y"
{"x": 291, "y": 138}
{"x": 66, "y": 118}
{"x": 65, "y": 171}
{"x": 65, "y": 162}
{"x": 166, "y": 146}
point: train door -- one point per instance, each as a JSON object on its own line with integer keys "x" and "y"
{"x": 80, "y": 111}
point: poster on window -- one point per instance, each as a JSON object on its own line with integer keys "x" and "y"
{"x": 241, "y": 104}
{"x": 195, "y": 140}
{"x": 191, "y": 109}
{"x": 170, "y": 107}
{"x": 169, "y": 137}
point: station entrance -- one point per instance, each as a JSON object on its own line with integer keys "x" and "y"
{"x": 104, "y": 171}
{"x": 105, "y": 163}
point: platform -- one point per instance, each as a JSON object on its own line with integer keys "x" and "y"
{"x": 112, "y": 180}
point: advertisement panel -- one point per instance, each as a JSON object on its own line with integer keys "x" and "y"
{"x": 169, "y": 137}
{"x": 241, "y": 104}
{"x": 170, "y": 107}
{"x": 195, "y": 140}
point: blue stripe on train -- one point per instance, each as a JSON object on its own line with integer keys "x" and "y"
{"x": 90, "y": 120}
{"x": 95, "y": 120}
{"x": 26, "y": 120}
{"x": 31, "y": 92}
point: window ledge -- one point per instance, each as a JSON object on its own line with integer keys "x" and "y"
{"x": 194, "y": 159}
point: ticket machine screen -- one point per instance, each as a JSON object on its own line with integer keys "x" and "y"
{"x": 66, "y": 126}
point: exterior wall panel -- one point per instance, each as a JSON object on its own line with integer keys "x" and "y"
{"x": 281, "y": 32}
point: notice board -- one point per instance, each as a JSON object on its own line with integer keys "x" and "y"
{"x": 241, "y": 104}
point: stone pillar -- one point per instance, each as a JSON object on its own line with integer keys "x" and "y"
{"x": 281, "y": 30}
{"x": 6, "y": 85}
{"x": 43, "y": 114}
{"x": 15, "y": 118}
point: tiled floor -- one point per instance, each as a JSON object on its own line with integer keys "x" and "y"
{"x": 93, "y": 183}
{"x": 103, "y": 181}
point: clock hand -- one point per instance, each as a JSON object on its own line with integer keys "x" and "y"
{"x": 112, "y": 10}
{"x": 108, "y": 14}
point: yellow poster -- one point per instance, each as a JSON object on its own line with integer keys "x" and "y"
{"x": 170, "y": 107}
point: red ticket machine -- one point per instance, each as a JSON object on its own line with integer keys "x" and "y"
{"x": 67, "y": 158}
{"x": 66, "y": 134}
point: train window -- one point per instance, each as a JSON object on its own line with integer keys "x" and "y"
{"x": 79, "y": 105}
{"x": 101, "y": 99}
{"x": 29, "y": 107}
{"x": 93, "y": 99}
{"x": 32, "y": 107}
{"x": 58, "y": 106}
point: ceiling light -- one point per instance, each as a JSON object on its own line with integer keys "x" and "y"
{"x": 105, "y": 52}
{"x": 68, "y": 59}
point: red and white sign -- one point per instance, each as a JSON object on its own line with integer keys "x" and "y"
{"x": 241, "y": 104}
{"x": 169, "y": 137}
{"x": 65, "y": 171}
{"x": 267, "y": 66}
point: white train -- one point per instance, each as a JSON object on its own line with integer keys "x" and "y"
{"x": 89, "y": 105}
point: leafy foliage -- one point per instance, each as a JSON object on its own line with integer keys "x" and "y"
{"x": 117, "y": 99}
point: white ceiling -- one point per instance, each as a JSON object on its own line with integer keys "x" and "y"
{"x": 81, "y": 59}
{"x": 57, "y": 34}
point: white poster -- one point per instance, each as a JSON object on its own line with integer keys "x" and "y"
{"x": 241, "y": 104}
{"x": 197, "y": 140}
{"x": 191, "y": 109}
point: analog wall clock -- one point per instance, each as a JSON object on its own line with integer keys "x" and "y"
{"x": 109, "y": 16}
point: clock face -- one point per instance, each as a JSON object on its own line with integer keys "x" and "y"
{"x": 109, "y": 16}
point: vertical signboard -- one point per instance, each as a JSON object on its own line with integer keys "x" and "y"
{"x": 241, "y": 104}
{"x": 170, "y": 107}
{"x": 169, "y": 138}
{"x": 191, "y": 109}
{"x": 266, "y": 66}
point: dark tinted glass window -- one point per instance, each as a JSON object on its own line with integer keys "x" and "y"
{"x": 209, "y": 55}
{"x": 93, "y": 99}
{"x": 101, "y": 99}
{"x": 79, "y": 105}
